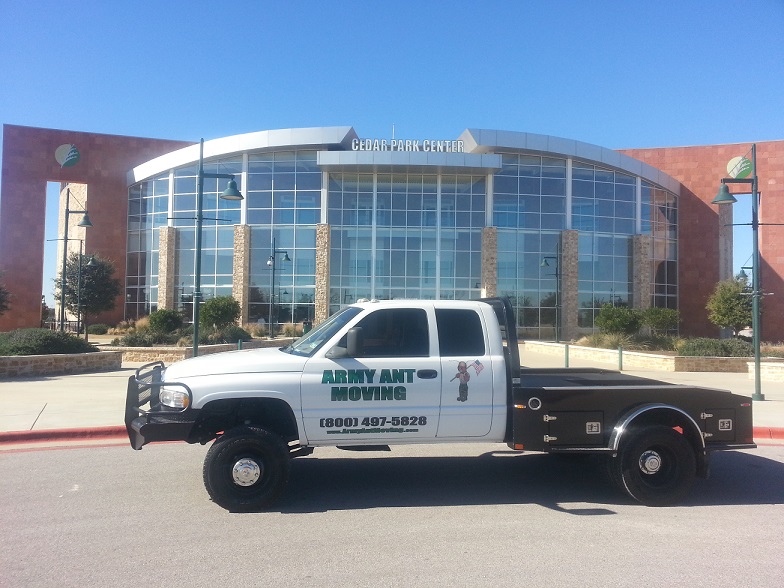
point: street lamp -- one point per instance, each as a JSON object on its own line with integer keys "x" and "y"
{"x": 271, "y": 264}
{"x": 724, "y": 197}
{"x": 545, "y": 263}
{"x": 83, "y": 222}
{"x": 230, "y": 193}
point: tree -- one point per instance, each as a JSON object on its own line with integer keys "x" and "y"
{"x": 730, "y": 305}
{"x": 5, "y": 297}
{"x": 99, "y": 289}
{"x": 219, "y": 312}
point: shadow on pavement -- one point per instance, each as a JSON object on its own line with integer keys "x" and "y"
{"x": 320, "y": 485}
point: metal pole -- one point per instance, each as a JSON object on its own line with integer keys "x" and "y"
{"x": 65, "y": 260}
{"x": 197, "y": 265}
{"x": 272, "y": 292}
{"x": 756, "y": 294}
{"x": 79, "y": 292}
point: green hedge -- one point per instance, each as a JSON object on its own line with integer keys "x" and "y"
{"x": 42, "y": 342}
{"x": 703, "y": 347}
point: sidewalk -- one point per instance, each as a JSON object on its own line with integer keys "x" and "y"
{"x": 92, "y": 406}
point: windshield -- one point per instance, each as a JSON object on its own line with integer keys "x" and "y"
{"x": 309, "y": 344}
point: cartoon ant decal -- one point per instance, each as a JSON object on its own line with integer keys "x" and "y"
{"x": 464, "y": 377}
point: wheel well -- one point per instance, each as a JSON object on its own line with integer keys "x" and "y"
{"x": 267, "y": 413}
{"x": 675, "y": 419}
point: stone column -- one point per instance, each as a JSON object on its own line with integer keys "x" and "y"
{"x": 725, "y": 243}
{"x": 569, "y": 273}
{"x": 78, "y": 201}
{"x": 240, "y": 281}
{"x": 489, "y": 262}
{"x": 323, "y": 243}
{"x": 641, "y": 271}
{"x": 167, "y": 248}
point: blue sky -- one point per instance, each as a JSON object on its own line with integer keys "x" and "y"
{"x": 620, "y": 74}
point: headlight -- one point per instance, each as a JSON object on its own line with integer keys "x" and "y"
{"x": 174, "y": 398}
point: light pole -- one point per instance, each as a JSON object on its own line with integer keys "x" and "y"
{"x": 724, "y": 197}
{"x": 90, "y": 263}
{"x": 271, "y": 264}
{"x": 230, "y": 193}
{"x": 84, "y": 222}
{"x": 545, "y": 263}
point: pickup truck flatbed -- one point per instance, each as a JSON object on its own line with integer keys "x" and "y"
{"x": 377, "y": 374}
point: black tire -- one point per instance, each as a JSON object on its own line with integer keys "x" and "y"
{"x": 656, "y": 466}
{"x": 246, "y": 469}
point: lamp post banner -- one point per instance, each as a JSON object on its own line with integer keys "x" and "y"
{"x": 739, "y": 167}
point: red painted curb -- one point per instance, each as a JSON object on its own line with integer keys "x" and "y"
{"x": 62, "y": 434}
{"x": 766, "y": 433}
{"x": 760, "y": 434}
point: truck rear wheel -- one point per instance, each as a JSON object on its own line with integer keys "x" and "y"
{"x": 246, "y": 469}
{"x": 656, "y": 466}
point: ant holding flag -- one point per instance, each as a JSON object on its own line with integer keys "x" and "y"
{"x": 464, "y": 377}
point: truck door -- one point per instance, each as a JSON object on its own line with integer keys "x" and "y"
{"x": 467, "y": 368}
{"x": 390, "y": 390}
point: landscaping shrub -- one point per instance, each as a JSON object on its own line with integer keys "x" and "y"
{"x": 618, "y": 319}
{"x": 292, "y": 330}
{"x": 165, "y": 321}
{"x": 219, "y": 312}
{"x": 629, "y": 342}
{"x": 98, "y": 329}
{"x": 660, "y": 320}
{"x": 146, "y": 338}
{"x": 42, "y": 342}
{"x": 232, "y": 334}
{"x": 705, "y": 347}
{"x": 256, "y": 329}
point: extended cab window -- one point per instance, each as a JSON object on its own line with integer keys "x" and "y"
{"x": 395, "y": 332}
{"x": 460, "y": 332}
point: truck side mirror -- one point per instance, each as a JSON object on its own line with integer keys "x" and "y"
{"x": 355, "y": 342}
{"x": 354, "y": 345}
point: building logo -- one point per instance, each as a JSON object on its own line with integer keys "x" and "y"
{"x": 67, "y": 155}
{"x": 739, "y": 167}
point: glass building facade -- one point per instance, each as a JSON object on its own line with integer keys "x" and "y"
{"x": 550, "y": 223}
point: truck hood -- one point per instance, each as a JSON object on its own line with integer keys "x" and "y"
{"x": 266, "y": 360}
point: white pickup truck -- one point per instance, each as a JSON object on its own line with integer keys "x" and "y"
{"x": 377, "y": 374}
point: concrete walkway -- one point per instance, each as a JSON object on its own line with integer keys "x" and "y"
{"x": 91, "y": 406}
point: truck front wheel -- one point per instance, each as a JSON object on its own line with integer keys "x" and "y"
{"x": 656, "y": 466}
{"x": 246, "y": 469}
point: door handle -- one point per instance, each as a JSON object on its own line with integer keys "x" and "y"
{"x": 427, "y": 374}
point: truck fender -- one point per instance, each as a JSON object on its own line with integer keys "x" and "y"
{"x": 628, "y": 419}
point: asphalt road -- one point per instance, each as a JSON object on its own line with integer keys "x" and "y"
{"x": 458, "y": 515}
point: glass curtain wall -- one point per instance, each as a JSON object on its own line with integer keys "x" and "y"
{"x": 604, "y": 212}
{"x": 284, "y": 202}
{"x": 659, "y": 213}
{"x": 405, "y": 236}
{"x": 148, "y": 205}
{"x": 529, "y": 209}
{"x": 219, "y": 218}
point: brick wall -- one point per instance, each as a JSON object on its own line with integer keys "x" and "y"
{"x": 700, "y": 170}
{"x": 28, "y": 164}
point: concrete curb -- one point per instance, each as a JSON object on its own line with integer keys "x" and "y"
{"x": 88, "y": 433}
{"x": 761, "y": 434}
